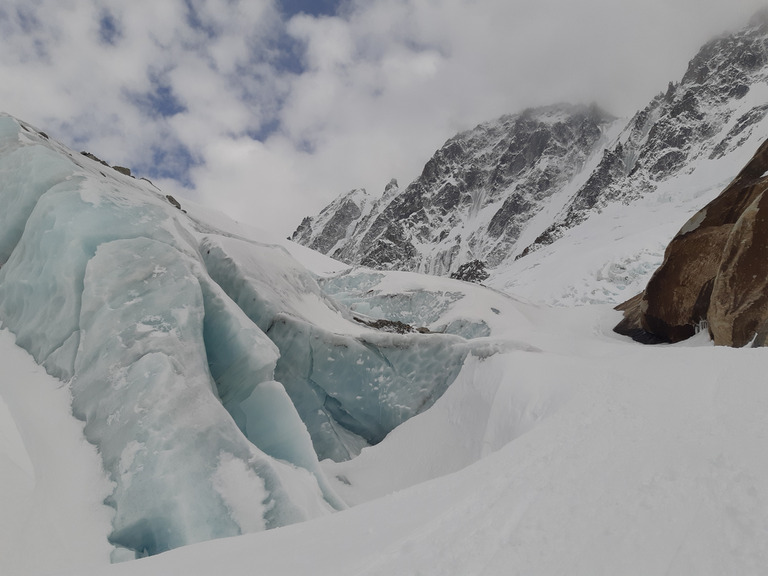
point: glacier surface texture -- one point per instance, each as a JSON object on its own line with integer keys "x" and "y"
{"x": 210, "y": 371}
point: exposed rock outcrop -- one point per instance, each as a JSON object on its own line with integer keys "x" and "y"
{"x": 326, "y": 231}
{"x": 715, "y": 270}
{"x": 473, "y": 271}
{"x": 123, "y": 170}
{"x": 473, "y": 199}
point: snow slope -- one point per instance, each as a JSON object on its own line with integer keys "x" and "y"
{"x": 592, "y": 455}
{"x": 51, "y": 481}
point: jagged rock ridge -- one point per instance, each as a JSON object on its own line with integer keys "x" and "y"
{"x": 477, "y": 196}
{"x": 695, "y": 118}
{"x": 472, "y": 200}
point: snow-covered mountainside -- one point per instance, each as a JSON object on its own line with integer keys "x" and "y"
{"x": 510, "y": 187}
{"x": 720, "y": 101}
{"x": 472, "y": 200}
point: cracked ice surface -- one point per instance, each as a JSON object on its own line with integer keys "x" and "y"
{"x": 164, "y": 424}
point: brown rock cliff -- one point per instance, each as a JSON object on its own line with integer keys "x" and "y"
{"x": 714, "y": 269}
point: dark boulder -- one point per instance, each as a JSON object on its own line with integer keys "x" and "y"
{"x": 173, "y": 201}
{"x": 738, "y": 309}
{"x": 715, "y": 270}
{"x": 473, "y": 271}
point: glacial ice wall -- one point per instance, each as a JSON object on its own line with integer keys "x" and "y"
{"x": 350, "y": 384}
{"x": 143, "y": 387}
{"x": 359, "y": 289}
{"x": 210, "y": 371}
{"x": 105, "y": 287}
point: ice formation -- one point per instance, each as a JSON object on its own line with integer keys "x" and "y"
{"x": 210, "y": 371}
{"x": 420, "y": 308}
{"x": 351, "y": 385}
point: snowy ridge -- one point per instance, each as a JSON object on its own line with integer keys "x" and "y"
{"x": 711, "y": 113}
{"x": 335, "y": 223}
{"x": 507, "y": 189}
{"x": 605, "y": 243}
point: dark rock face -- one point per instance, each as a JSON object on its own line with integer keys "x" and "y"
{"x": 715, "y": 270}
{"x": 173, "y": 201}
{"x": 738, "y": 310}
{"x": 332, "y": 225}
{"x": 394, "y": 326}
{"x": 336, "y": 228}
{"x": 123, "y": 170}
{"x": 471, "y": 272}
{"x": 473, "y": 197}
{"x": 94, "y": 157}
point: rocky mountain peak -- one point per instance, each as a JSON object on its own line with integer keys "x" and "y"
{"x": 475, "y": 194}
{"x": 508, "y": 187}
{"x": 708, "y": 114}
{"x": 331, "y": 226}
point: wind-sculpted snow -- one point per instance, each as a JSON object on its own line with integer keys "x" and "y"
{"x": 351, "y": 385}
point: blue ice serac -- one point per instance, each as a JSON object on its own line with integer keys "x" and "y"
{"x": 187, "y": 349}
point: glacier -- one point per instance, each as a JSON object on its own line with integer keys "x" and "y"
{"x": 350, "y": 384}
{"x": 212, "y": 372}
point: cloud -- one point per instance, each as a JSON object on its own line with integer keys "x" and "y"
{"x": 269, "y": 110}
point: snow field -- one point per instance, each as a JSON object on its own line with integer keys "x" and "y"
{"x": 599, "y": 457}
{"x": 51, "y": 480}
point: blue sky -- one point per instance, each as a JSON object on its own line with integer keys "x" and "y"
{"x": 269, "y": 109}
{"x": 311, "y": 7}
